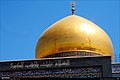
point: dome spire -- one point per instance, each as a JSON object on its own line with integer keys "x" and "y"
{"x": 73, "y": 9}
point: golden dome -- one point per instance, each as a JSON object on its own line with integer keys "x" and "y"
{"x": 74, "y": 33}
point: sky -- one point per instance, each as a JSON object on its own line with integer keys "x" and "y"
{"x": 23, "y": 21}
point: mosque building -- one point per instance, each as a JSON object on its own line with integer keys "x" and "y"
{"x": 71, "y": 47}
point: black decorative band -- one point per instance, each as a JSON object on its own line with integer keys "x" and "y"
{"x": 73, "y": 53}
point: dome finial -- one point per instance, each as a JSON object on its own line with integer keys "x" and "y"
{"x": 73, "y": 9}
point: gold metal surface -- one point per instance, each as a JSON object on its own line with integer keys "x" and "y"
{"x": 74, "y": 33}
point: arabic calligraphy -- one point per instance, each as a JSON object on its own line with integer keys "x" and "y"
{"x": 38, "y": 64}
{"x": 18, "y": 65}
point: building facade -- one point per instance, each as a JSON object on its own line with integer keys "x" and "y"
{"x": 69, "y": 67}
{"x": 73, "y": 47}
